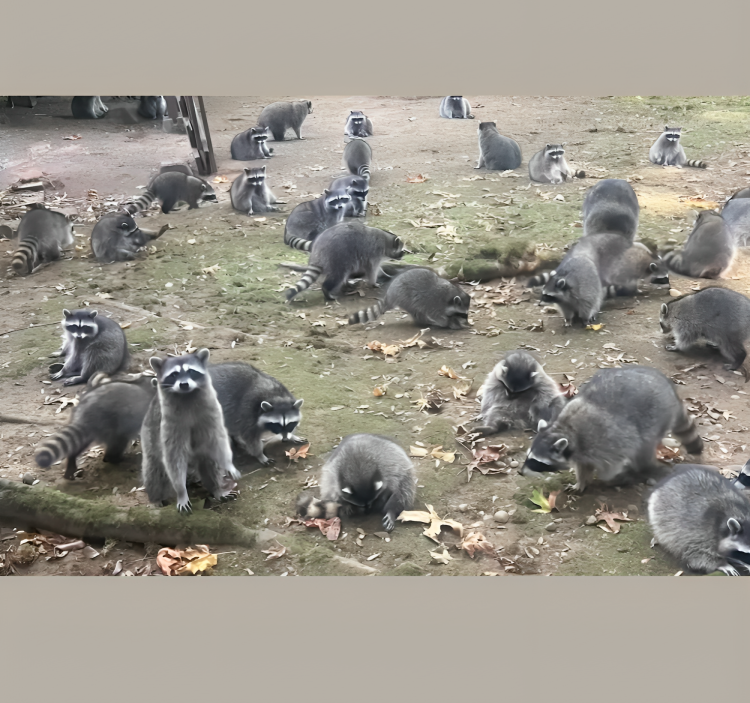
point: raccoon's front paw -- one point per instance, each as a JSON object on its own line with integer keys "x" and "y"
{"x": 297, "y": 440}
{"x": 232, "y": 495}
{"x": 56, "y": 376}
{"x": 388, "y": 522}
{"x": 184, "y": 508}
{"x": 729, "y": 570}
{"x": 233, "y": 473}
{"x": 576, "y": 488}
{"x": 266, "y": 460}
{"x": 73, "y": 381}
{"x": 671, "y": 347}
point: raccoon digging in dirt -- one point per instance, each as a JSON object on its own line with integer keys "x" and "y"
{"x": 282, "y": 116}
{"x": 613, "y": 427}
{"x": 88, "y": 108}
{"x": 357, "y": 158}
{"x": 117, "y": 237}
{"x": 709, "y": 250}
{"x": 611, "y": 207}
{"x": 184, "y": 436}
{"x": 455, "y": 107}
{"x": 255, "y": 406}
{"x": 496, "y": 152}
{"x": 517, "y": 395}
{"x": 357, "y": 188}
{"x": 358, "y": 125}
{"x": 549, "y": 166}
{"x": 91, "y": 343}
{"x": 152, "y": 107}
{"x": 42, "y": 236}
{"x": 110, "y": 412}
{"x": 365, "y": 473}
{"x": 250, "y": 192}
{"x": 667, "y": 151}
{"x": 171, "y": 188}
{"x": 702, "y": 520}
{"x": 428, "y": 298}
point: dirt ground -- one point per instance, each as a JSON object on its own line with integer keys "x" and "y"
{"x": 458, "y": 220}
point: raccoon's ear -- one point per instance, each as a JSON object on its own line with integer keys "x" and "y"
{"x": 326, "y": 192}
{"x": 734, "y": 526}
{"x": 540, "y": 426}
{"x": 502, "y": 370}
{"x": 93, "y": 314}
{"x": 203, "y": 355}
{"x": 457, "y": 301}
{"x": 156, "y": 363}
{"x": 664, "y": 309}
{"x": 534, "y": 374}
{"x": 266, "y": 406}
{"x": 652, "y": 266}
{"x": 563, "y": 144}
{"x": 346, "y": 490}
{"x": 67, "y": 313}
{"x": 378, "y": 485}
{"x": 154, "y": 382}
{"x": 298, "y": 404}
{"x": 548, "y": 146}
{"x": 247, "y": 171}
{"x": 560, "y": 284}
{"x": 561, "y": 445}
{"x": 263, "y": 168}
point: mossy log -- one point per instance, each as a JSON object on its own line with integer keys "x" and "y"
{"x": 91, "y": 519}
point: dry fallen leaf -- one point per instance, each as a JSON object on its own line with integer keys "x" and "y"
{"x": 387, "y": 349}
{"x": 447, "y": 457}
{"x": 296, "y": 454}
{"x": 667, "y": 454}
{"x": 476, "y": 542}
{"x": 443, "y": 558}
{"x": 277, "y": 553}
{"x": 449, "y": 372}
{"x": 596, "y": 328}
{"x": 418, "y": 451}
{"x": 178, "y": 562}
{"x": 330, "y": 528}
{"x": 73, "y": 137}
{"x": 485, "y": 456}
{"x": 602, "y": 514}
{"x": 212, "y": 269}
{"x": 435, "y": 522}
{"x": 417, "y": 179}
{"x": 221, "y": 179}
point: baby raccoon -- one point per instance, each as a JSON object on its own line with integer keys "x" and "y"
{"x": 517, "y": 395}
{"x": 172, "y": 187}
{"x": 117, "y": 237}
{"x": 250, "y": 192}
{"x": 496, "y": 152}
{"x": 702, "y": 520}
{"x": 667, "y": 151}
{"x": 365, "y": 473}
{"x": 251, "y": 145}
{"x": 549, "y": 165}
{"x": 358, "y": 125}
{"x": 719, "y": 316}
{"x": 455, "y": 107}
{"x": 613, "y": 427}
{"x": 611, "y": 206}
{"x": 709, "y": 250}
{"x": 428, "y": 298}
{"x": 281, "y": 116}
{"x": 42, "y": 236}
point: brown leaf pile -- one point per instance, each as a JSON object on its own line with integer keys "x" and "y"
{"x": 330, "y": 528}
{"x": 483, "y": 457}
{"x": 181, "y": 562}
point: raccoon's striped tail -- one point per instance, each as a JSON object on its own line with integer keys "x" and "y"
{"x": 69, "y": 441}
{"x": 539, "y": 280}
{"x": 25, "y": 256}
{"x": 141, "y": 203}
{"x": 696, "y": 163}
{"x": 743, "y": 480}
{"x": 364, "y": 171}
{"x": 687, "y": 432}
{"x": 368, "y": 314}
{"x": 298, "y": 243}
{"x": 312, "y": 275}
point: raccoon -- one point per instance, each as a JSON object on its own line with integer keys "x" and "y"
{"x": 117, "y": 237}
{"x": 709, "y": 250}
{"x": 365, "y": 473}
{"x": 717, "y": 315}
{"x": 309, "y": 219}
{"x": 357, "y": 188}
{"x": 620, "y": 269}
{"x": 171, "y": 188}
{"x": 255, "y": 405}
{"x": 667, "y": 151}
{"x": 281, "y": 116}
{"x": 517, "y": 395}
{"x": 344, "y": 251}
{"x": 428, "y": 298}
{"x": 496, "y": 152}
{"x": 358, "y": 125}
{"x": 184, "y": 436}
{"x": 613, "y": 427}
{"x": 549, "y": 165}
{"x": 743, "y": 480}
{"x": 736, "y": 214}
{"x": 702, "y": 520}
{"x": 42, "y": 236}
{"x": 250, "y": 192}
{"x": 108, "y": 413}
{"x": 611, "y": 206}
{"x": 455, "y": 107}
{"x": 251, "y": 145}
{"x": 152, "y": 107}
{"x": 743, "y": 193}
{"x": 357, "y": 158}
{"x": 91, "y": 343}
{"x": 88, "y": 108}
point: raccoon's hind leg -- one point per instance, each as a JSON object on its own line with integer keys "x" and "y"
{"x": 297, "y": 131}
{"x": 682, "y": 341}
{"x": 71, "y": 467}
{"x": 168, "y": 204}
{"x": 214, "y": 480}
{"x": 333, "y": 285}
{"x": 733, "y": 351}
{"x": 116, "y": 450}
{"x": 686, "y": 431}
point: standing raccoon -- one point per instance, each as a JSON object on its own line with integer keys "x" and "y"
{"x": 309, "y": 219}
{"x": 152, "y": 107}
{"x": 365, "y": 473}
{"x": 357, "y": 188}
{"x": 170, "y": 188}
{"x": 110, "y": 412}
{"x": 251, "y": 145}
{"x": 518, "y": 394}
{"x": 496, "y": 152}
{"x": 719, "y": 316}
{"x": 88, "y": 108}
{"x": 611, "y": 206}
{"x": 91, "y": 343}
{"x": 709, "y": 250}
{"x": 184, "y": 435}
{"x": 549, "y": 165}
{"x": 281, "y": 116}
{"x": 42, "y": 236}
{"x": 702, "y": 520}
{"x": 117, "y": 237}
{"x": 455, "y": 107}
{"x": 358, "y": 125}
{"x": 250, "y": 192}
{"x": 357, "y": 158}
{"x": 667, "y": 151}
{"x": 428, "y": 298}
{"x": 613, "y": 427}
{"x": 255, "y": 405}
{"x": 345, "y": 251}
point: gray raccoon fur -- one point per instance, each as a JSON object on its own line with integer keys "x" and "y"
{"x": 517, "y": 394}
{"x": 611, "y": 206}
{"x": 428, "y": 298}
{"x": 736, "y": 214}
{"x": 702, "y": 520}
{"x": 281, "y": 116}
{"x": 170, "y": 188}
{"x": 719, "y": 316}
{"x": 709, "y": 250}
{"x": 358, "y": 125}
{"x": 152, "y": 107}
{"x": 549, "y": 165}
{"x": 742, "y": 193}
{"x": 109, "y": 413}
{"x": 496, "y": 152}
{"x": 117, "y": 237}
{"x": 365, "y": 473}
{"x": 250, "y": 192}
{"x": 613, "y": 427}
{"x": 743, "y": 480}
{"x": 667, "y": 151}
{"x": 42, "y": 236}
{"x": 184, "y": 436}
{"x": 455, "y": 107}
{"x": 88, "y": 108}
{"x": 357, "y": 187}
{"x": 309, "y": 219}
{"x": 344, "y": 251}
{"x": 357, "y": 158}
{"x": 91, "y": 343}
{"x": 255, "y": 405}
{"x": 251, "y": 145}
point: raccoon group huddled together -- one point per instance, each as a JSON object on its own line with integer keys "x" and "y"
{"x": 191, "y": 415}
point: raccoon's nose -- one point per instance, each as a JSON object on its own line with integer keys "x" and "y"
{"x": 184, "y": 385}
